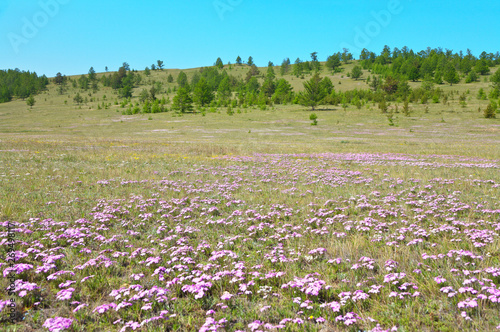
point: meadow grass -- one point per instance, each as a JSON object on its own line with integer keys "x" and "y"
{"x": 339, "y": 226}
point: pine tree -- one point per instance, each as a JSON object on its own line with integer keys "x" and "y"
{"x": 313, "y": 93}
{"x": 202, "y": 93}
{"x": 92, "y": 74}
{"x": 78, "y": 99}
{"x": 333, "y": 62}
{"x": 283, "y": 92}
{"x": 219, "y": 63}
{"x": 481, "y": 67}
{"x": 495, "y": 79}
{"x": 315, "y": 63}
{"x": 182, "y": 79}
{"x": 356, "y": 72}
{"x": 298, "y": 67}
{"x": 285, "y": 67}
{"x": 59, "y": 79}
{"x": 471, "y": 77}
{"x": 83, "y": 82}
{"x": 182, "y": 101}
{"x": 451, "y": 75}
{"x": 489, "y": 112}
{"x": 30, "y": 101}
{"x": 224, "y": 89}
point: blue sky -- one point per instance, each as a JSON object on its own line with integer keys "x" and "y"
{"x": 70, "y": 36}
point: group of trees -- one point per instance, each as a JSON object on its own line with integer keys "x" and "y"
{"x": 213, "y": 85}
{"x": 388, "y": 79}
{"x": 390, "y": 73}
{"x": 124, "y": 80}
{"x": 88, "y": 81}
{"x": 315, "y": 91}
{"x": 301, "y": 67}
{"x": 203, "y": 88}
{"x": 433, "y": 65}
{"x": 20, "y": 84}
{"x": 158, "y": 66}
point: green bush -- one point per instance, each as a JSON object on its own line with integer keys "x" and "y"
{"x": 314, "y": 118}
{"x": 490, "y": 110}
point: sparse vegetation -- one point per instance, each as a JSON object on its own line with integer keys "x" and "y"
{"x": 314, "y": 118}
{"x": 490, "y": 111}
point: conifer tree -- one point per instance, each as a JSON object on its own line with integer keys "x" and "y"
{"x": 182, "y": 100}
{"x": 203, "y": 95}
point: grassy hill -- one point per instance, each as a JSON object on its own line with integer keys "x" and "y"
{"x": 431, "y": 127}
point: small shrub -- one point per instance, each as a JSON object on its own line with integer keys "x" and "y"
{"x": 383, "y": 106}
{"x": 494, "y": 94}
{"x": 425, "y": 98}
{"x": 390, "y": 118}
{"x": 314, "y": 118}
{"x": 462, "y": 100}
{"x": 406, "y": 109}
{"x": 490, "y": 111}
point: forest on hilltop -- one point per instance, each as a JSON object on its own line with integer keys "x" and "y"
{"x": 20, "y": 84}
{"x": 387, "y": 74}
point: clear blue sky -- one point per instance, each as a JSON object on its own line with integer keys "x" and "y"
{"x": 75, "y": 35}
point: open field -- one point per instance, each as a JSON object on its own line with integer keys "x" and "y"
{"x": 252, "y": 221}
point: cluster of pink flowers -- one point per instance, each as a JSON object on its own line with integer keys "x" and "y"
{"x": 199, "y": 240}
{"x": 57, "y": 324}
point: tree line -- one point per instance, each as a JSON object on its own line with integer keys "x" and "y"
{"x": 431, "y": 65}
{"x": 212, "y": 86}
{"x": 20, "y": 84}
{"x": 388, "y": 79}
{"x": 389, "y": 73}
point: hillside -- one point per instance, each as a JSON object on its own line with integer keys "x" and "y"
{"x": 430, "y": 124}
